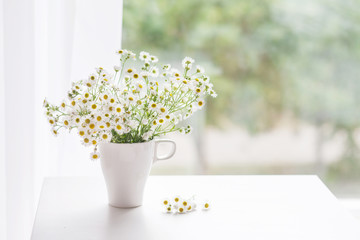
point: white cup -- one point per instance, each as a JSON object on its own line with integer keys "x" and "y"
{"x": 126, "y": 167}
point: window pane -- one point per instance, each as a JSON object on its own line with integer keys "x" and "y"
{"x": 287, "y": 76}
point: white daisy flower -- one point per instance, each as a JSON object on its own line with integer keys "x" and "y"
{"x": 181, "y": 209}
{"x": 66, "y": 122}
{"x": 144, "y": 56}
{"x": 120, "y": 52}
{"x": 206, "y": 205}
{"x": 118, "y": 108}
{"x": 105, "y": 136}
{"x": 177, "y": 199}
{"x": 187, "y": 62}
{"x": 154, "y": 72}
{"x": 94, "y": 156}
{"x": 175, "y": 72}
{"x": 165, "y": 202}
{"x": 200, "y": 103}
{"x": 82, "y": 132}
{"x": 92, "y": 77}
{"x": 86, "y": 95}
{"x": 54, "y": 132}
{"x": 119, "y": 127}
{"x": 52, "y": 121}
{"x": 89, "y": 83}
{"x": 161, "y": 121}
{"x": 63, "y": 105}
{"x": 200, "y": 69}
{"x": 168, "y": 209}
{"x": 154, "y": 59}
{"x": 94, "y": 141}
{"x": 86, "y": 141}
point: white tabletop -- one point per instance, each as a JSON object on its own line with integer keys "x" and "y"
{"x": 243, "y": 207}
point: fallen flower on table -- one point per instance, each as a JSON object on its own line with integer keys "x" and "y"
{"x": 177, "y": 204}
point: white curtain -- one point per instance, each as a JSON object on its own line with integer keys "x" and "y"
{"x": 44, "y": 45}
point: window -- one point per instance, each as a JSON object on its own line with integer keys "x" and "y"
{"x": 286, "y": 73}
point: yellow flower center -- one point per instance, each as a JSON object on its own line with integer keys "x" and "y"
{"x": 118, "y": 109}
{"x": 181, "y": 210}
{"x": 185, "y": 203}
{"x": 153, "y": 105}
{"x": 87, "y": 121}
{"x": 129, "y": 70}
{"x": 177, "y": 75}
{"x": 92, "y": 126}
{"x": 73, "y": 103}
{"x": 94, "y": 142}
{"x": 94, "y": 106}
{"x": 77, "y": 120}
{"x": 206, "y": 205}
{"x": 86, "y": 95}
{"x": 118, "y": 127}
{"x": 131, "y": 98}
{"x": 198, "y": 90}
{"x": 63, "y": 105}
{"x": 92, "y": 77}
{"x": 81, "y": 133}
{"x": 66, "y": 123}
{"x": 136, "y": 75}
{"x": 51, "y": 121}
{"x": 166, "y": 202}
{"x": 112, "y": 100}
{"x": 176, "y": 199}
{"x": 98, "y": 118}
{"x": 106, "y": 97}
{"x": 95, "y": 156}
{"x": 86, "y": 140}
{"x": 104, "y": 136}
{"x": 161, "y": 120}
{"x": 162, "y": 110}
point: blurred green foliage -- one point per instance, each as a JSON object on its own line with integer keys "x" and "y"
{"x": 267, "y": 58}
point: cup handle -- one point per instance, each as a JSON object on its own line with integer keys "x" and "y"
{"x": 169, "y": 155}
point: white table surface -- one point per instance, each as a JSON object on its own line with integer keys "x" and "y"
{"x": 243, "y": 207}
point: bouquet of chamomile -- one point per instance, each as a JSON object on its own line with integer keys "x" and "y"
{"x": 131, "y": 105}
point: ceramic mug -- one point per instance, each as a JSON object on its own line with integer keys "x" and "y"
{"x": 126, "y": 167}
